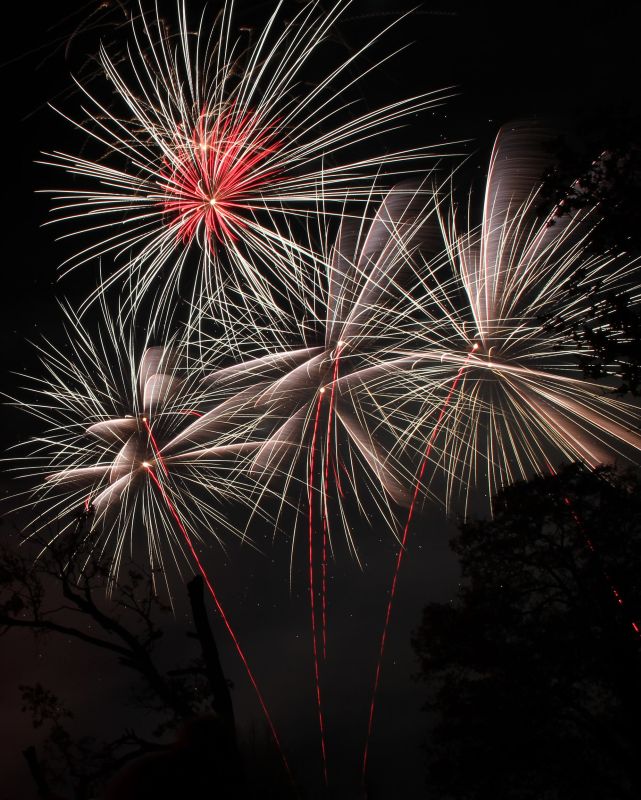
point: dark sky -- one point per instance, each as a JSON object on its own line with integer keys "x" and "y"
{"x": 506, "y": 61}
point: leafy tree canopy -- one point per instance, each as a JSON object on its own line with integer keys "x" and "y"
{"x": 534, "y": 670}
{"x": 596, "y": 164}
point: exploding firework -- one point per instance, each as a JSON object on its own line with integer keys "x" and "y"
{"x": 213, "y": 149}
{"x": 136, "y": 444}
{"x": 130, "y": 427}
{"x": 312, "y": 382}
{"x": 498, "y": 393}
{"x": 502, "y": 306}
{"x": 328, "y": 433}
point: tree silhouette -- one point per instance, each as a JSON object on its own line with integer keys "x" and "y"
{"x": 62, "y": 592}
{"x": 596, "y": 164}
{"x": 534, "y": 670}
{"x": 597, "y": 161}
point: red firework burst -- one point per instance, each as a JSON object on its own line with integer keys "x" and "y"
{"x": 210, "y": 180}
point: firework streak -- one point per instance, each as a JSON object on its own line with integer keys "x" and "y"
{"x": 500, "y": 355}
{"x": 131, "y": 469}
{"x": 220, "y": 609}
{"x": 217, "y": 148}
{"x": 399, "y": 559}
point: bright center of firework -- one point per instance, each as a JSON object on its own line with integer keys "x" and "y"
{"x": 146, "y": 464}
{"x": 211, "y": 180}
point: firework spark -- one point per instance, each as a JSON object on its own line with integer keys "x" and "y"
{"x": 214, "y": 149}
{"x": 115, "y": 410}
{"x": 498, "y": 393}
{"x": 136, "y": 443}
{"x": 327, "y": 430}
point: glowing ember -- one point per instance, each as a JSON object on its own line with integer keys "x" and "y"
{"x": 210, "y": 179}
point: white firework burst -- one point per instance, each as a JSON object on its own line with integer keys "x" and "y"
{"x": 213, "y": 150}
{"x": 499, "y": 372}
{"x": 311, "y": 382}
{"x": 134, "y": 440}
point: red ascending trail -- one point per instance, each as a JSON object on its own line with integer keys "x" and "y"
{"x": 399, "y": 558}
{"x": 324, "y": 588}
{"x": 328, "y": 442}
{"x": 310, "y": 511}
{"x": 221, "y": 611}
{"x": 577, "y": 521}
{"x": 154, "y": 446}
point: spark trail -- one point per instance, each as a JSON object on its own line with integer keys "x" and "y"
{"x": 399, "y": 558}
{"x": 312, "y": 600}
{"x": 212, "y": 154}
{"x": 324, "y": 511}
{"x": 328, "y": 457}
{"x": 221, "y": 611}
{"x": 590, "y": 545}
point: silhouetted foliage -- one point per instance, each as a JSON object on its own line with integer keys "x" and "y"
{"x": 597, "y": 165}
{"x": 598, "y": 162}
{"x": 534, "y": 670}
{"x": 193, "y": 751}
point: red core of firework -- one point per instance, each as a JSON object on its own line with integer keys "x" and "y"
{"x": 210, "y": 179}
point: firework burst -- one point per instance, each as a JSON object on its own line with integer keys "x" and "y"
{"x": 503, "y": 304}
{"x": 328, "y": 432}
{"x": 137, "y": 445}
{"x": 496, "y": 391}
{"x": 129, "y": 427}
{"x": 312, "y": 382}
{"x": 215, "y": 151}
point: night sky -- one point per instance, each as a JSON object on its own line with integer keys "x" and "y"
{"x": 536, "y": 59}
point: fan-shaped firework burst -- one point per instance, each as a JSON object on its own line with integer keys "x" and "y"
{"x": 502, "y": 306}
{"x": 312, "y": 383}
{"x": 217, "y": 149}
{"x": 130, "y": 426}
{"x": 498, "y": 393}
{"x": 137, "y": 443}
